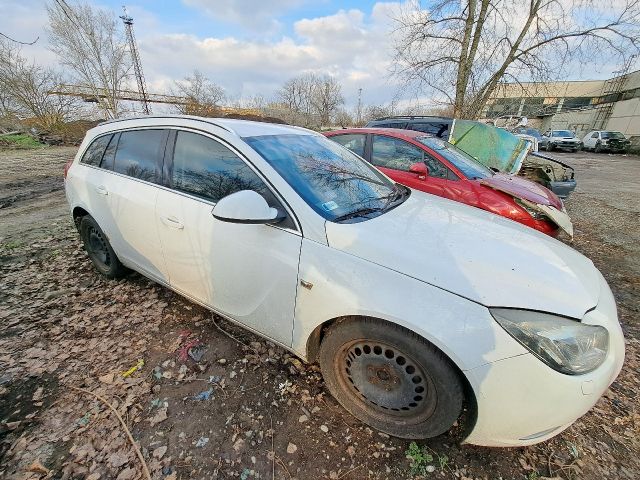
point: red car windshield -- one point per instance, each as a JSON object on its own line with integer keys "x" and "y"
{"x": 464, "y": 162}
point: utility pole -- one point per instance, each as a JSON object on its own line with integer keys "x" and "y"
{"x": 135, "y": 57}
{"x": 359, "y": 115}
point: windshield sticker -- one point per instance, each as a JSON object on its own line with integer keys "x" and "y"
{"x": 328, "y": 206}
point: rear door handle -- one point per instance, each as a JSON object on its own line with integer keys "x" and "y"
{"x": 172, "y": 222}
{"x": 101, "y": 190}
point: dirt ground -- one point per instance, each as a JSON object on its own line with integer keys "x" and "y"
{"x": 246, "y": 409}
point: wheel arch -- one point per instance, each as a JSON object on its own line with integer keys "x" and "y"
{"x": 317, "y": 335}
{"x": 77, "y": 214}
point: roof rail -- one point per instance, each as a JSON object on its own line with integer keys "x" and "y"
{"x": 411, "y": 117}
{"x": 185, "y": 117}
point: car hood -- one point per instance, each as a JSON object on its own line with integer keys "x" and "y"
{"x": 472, "y": 253}
{"x": 565, "y": 138}
{"x": 492, "y": 147}
{"x": 522, "y": 188}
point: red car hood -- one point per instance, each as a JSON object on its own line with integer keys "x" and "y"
{"x": 522, "y": 188}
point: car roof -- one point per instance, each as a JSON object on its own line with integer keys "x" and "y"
{"x": 241, "y": 128}
{"x": 394, "y": 132}
{"x": 414, "y": 118}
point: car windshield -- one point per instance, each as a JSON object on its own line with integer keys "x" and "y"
{"x": 464, "y": 162}
{"x": 330, "y": 178}
{"x": 612, "y": 135}
{"x": 562, "y": 133}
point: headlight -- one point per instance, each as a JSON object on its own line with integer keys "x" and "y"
{"x": 567, "y": 346}
{"x": 534, "y": 213}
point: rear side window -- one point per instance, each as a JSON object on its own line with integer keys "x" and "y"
{"x": 354, "y": 142}
{"x": 208, "y": 169}
{"x": 93, "y": 154}
{"x": 138, "y": 153}
{"x": 437, "y": 129}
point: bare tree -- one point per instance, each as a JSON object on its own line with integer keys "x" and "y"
{"x": 89, "y": 41}
{"x": 204, "y": 98}
{"x": 326, "y": 98}
{"x": 25, "y": 91}
{"x": 461, "y": 50}
{"x": 310, "y": 99}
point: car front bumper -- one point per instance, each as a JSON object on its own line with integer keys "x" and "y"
{"x": 522, "y": 401}
{"x": 563, "y": 188}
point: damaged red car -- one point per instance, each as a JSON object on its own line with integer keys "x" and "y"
{"x": 435, "y": 166}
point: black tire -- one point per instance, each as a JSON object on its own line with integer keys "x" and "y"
{"x": 549, "y": 147}
{"x": 391, "y": 379}
{"x": 598, "y": 148}
{"x": 99, "y": 249}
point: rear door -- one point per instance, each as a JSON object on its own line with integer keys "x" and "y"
{"x": 130, "y": 188}
{"x": 244, "y": 271}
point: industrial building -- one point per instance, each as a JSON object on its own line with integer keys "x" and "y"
{"x": 580, "y": 106}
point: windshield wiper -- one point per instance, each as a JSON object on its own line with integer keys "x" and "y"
{"x": 361, "y": 212}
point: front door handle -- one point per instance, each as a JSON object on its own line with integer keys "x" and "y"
{"x": 101, "y": 190}
{"x": 172, "y": 222}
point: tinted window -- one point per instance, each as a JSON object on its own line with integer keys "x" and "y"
{"x": 354, "y": 142}
{"x": 110, "y": 153}
{"x": 437, "y": 129}
{"x": 616, "y": 135}
{"x": 138, "y": 153}
{"x": 93, "y": 154}
{"x": 595, "y": 135}
{"x": 331, "y": 180}
{"x": 394, "y": 153}
{"x": 208, "y": 169}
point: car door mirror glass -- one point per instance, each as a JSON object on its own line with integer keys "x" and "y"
{"x": 419, "y": 169}
{"x": 246, "y": 206}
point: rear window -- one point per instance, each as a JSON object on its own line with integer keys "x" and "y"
{"x": 138, "y": 153}
{"x": 93, "y": 154}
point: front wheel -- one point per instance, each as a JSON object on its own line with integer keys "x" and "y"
{"x": 391, "y": 379}
{"x": 99, "y": 249}
{"x": 549, "y": 147}
{"x": 598, "y": 148}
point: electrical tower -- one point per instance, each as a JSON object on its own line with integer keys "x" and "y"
{"x": 135, "y": 57}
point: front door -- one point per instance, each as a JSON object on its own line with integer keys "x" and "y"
{"x": 394, "y": 156}
{"x": 246, "y": 272}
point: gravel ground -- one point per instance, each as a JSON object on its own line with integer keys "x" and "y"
{"x": 246, "y": 409}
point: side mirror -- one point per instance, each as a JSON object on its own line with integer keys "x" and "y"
{"x": 246, "y": 206}
{"x": 419, "y": 169}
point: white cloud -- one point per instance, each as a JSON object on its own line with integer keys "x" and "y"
{"x": 248, "y": 13}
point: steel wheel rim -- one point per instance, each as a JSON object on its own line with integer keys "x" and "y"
{"x": 97, "y": 246}
{"x": 385, "y": 381}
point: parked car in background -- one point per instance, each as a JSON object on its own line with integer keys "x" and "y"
{"x": 559, "y": 140}
{"x": 432, "y": 165}
{"x": 604, "y": 140}
{"x": 412, "y": 304}
{"x": 529, "y": 133}
{"x": 493, "y": 147}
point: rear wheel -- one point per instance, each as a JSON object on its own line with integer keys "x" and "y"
{"x": 391, "y": 379}
{"x": 99, "y": 249}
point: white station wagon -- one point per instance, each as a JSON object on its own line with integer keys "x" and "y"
{"x": 411, "y": 303}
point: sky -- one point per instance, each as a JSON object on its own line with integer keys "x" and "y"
{"x": 249, "y": 47}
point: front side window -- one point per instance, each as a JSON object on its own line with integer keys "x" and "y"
{"x": 354, "y": 142}
{"x": 333, "y": 181}
{"x": 206, "y": 168}
{"x": 595, "y": 135}
{"x": 469, "y": 166}
{"x": 93, "y": 154}
{"x": 138, "y": 153}
{"x": 394, "y": 153}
